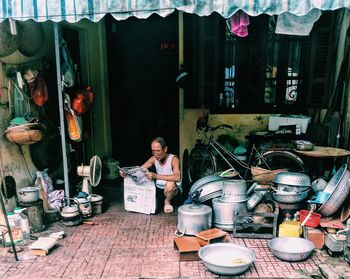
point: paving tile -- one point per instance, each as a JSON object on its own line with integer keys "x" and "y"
{"x": 131, "y": 245}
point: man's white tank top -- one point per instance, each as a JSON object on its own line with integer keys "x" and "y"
{"x": 165, "y": 169}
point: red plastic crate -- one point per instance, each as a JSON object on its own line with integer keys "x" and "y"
{"x": 313, "y": 221}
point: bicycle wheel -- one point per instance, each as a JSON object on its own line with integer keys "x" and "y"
{"x": 201, "y": 163}
{"x": 277, "y": 159}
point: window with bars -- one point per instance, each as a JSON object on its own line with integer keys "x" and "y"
{"x": 263, "y": 72}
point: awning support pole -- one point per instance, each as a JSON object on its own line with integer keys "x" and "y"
{"x": 61, "y": 110}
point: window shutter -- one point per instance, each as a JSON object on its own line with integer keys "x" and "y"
{"x": 204, "y": 54}
{"x": 210, "y": 62}
{"x": 317, "y": 82}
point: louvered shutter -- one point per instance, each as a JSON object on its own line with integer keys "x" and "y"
{"x": 204, "y": 53}
{"x": 317, "y": 82}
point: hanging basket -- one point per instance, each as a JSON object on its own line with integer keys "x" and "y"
{"x": 24, "y": 134}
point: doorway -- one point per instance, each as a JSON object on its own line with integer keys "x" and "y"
{"x": 144, "y": 102}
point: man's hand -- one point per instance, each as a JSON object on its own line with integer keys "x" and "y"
{"x": 151, "y": 175}
{"x": 121, "y": 173}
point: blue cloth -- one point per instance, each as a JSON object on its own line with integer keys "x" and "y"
{"x": 95, "y": 10}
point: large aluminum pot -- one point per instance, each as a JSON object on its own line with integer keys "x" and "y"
{"x": 224, "y": 212}
{"x": 234, "y": 190}
{"x": 28, "y": 194}
{"x": 193, "y": 218}
{"x": 226, "y": 258}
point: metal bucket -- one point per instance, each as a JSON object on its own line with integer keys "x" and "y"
{"x": 35, "y": 214}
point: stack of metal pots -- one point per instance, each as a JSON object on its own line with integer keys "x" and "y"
{"x": 233, "y": 201}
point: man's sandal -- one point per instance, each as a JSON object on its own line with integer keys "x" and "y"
{"x": 168, "y": 208}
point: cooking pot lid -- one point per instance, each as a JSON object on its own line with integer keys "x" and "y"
{"x": 96, "y": 198}
{"x": 195, "y": 208}
{"x": 29, "y": 189}
{"x": 82, "y": 200}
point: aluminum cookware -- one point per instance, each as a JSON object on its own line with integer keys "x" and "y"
{"x": 318, "y": 185}
{"x": 292, "y": 179}
{"x": 291, "y": 189}
{"x": 304, "y": 145}
{"x": 286, "y": 197}
{"x": 28, "y": 194}
{"x": 206, "y": 188}
{"x": 71, "y": 216}
{"x": 224, "y": 212}
{"x": 234, "y": 190}
{"x": 291, "y": 249}
{"x": 254, "y": 199}
{"x": 226, "y": 258}
{"x": 338, "y": 189}
{"x": 194, "y": 218}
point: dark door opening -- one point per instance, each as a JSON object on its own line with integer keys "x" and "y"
{"x": 143, "y": 62}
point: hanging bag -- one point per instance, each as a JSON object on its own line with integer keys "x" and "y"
{"x": 73, "y": 121}
{"x": 67, "y": 68}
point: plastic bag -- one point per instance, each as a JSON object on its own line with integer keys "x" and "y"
{"x": 82, "y": 101}
{"x": 67, "y": 68}
{"x": 43, "y": 178}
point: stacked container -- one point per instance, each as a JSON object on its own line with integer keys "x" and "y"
{"x": 233, "y": 201}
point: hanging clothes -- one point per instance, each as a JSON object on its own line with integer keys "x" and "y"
{"x": 239, "y": 24}
{"x": 290, "y": 24}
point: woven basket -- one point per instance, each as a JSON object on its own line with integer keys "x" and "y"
{"x": 263, "y": 175}
{"x": 24, "y": 134}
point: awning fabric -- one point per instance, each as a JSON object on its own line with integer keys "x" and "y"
{"x": 94, "y": 10}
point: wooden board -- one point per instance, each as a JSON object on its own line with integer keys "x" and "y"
{"x": 324, "y": 152}
{"x": 188, "y": 247}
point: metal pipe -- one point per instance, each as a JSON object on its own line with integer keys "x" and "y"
{"x": 61, "y": 110}
{"x": 2, "y": 173}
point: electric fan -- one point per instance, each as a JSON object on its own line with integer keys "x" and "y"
{"x": 91, "y": 174}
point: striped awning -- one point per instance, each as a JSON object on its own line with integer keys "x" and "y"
{"x": 95, "y": 10}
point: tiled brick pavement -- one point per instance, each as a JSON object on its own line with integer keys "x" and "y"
{"x": 130, "y": 245}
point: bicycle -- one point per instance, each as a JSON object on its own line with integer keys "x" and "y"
{"x": 207, "y": 158}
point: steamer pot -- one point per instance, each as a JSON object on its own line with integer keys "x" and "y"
{"x": 28, "y": 194}
{"x": 234, "y": 190}
{"x": 193, "y": 218}
{"x": 224, "y": 212}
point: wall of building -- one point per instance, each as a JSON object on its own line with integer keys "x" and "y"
{"x": 15, "y": 159}
{"x": 242, "y": 125}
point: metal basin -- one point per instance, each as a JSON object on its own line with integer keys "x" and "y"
{"x": 291, "y": 249}
{"x": 286, "y": 197}
{"x": 292, "y": 179}
{"x": 226, "y": 258}
{"x": 338, "y": 189}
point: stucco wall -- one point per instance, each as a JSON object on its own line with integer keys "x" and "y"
{"x": 242, "y": 125}
{"x": 16, "y": 159}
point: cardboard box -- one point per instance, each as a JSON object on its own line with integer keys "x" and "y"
{"x": 277, "y": 120}
{"x": 139, "y": 197}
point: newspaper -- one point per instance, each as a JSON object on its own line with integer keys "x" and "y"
{"x": 139, "y": 192}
